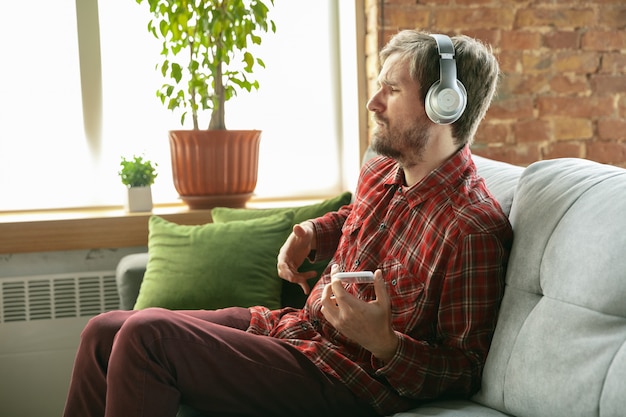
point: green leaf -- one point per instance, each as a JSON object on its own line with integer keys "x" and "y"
{"x": 249, "y": 60}
{"x": 177, "y": 72}
{"x": 163, "y": 27}
{"x": 206, "y": 37}
{"x": 137, "y": 172}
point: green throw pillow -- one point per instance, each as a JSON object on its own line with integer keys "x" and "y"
{"x": 214, "y": 265}
{"x": 301, "y": 213}
{"x": 292, "y": 294}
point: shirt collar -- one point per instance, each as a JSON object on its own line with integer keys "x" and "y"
{"x": 449, "y": 174}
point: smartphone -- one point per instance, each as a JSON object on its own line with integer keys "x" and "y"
{"x": 359, "y": 276}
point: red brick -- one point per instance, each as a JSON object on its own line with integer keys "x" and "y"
{"x": 492, "y": 133}
{"x": 409, "y": 3}
{"x": 407, "y": 17}
{"x": 513, "y": 108}
{"x": 608, "y": 2}
{"x": 520, "y": 40}
{"x": 516, "y": 84}
{"x": 469, "y": 18}
{"x": 608, "y": 84}
{"x": 387, "y": 35}
{"x": 577, "y": 62}
{"x": 487, "y": 36}
{"x": 606, "y": 152}
{"x": 537, "y": 63}
{"x": 613, "y": 17}
{"x": 569, "y": 128}
{"x": 474, "y": 2}
{"x": 532, "y": 84}
{"x": 514, "y": 154}
{"x": 614, "y": 63}
{"x": 562, "y": 18}
{"x": 509, "y": 84}
{"x": 510, "y": 61}
{"x": 563, "y": 150}
{"x": 562, "y": 40}
{"x": 575, "y": 106}
{"x": 564, "y": 84}
{"x": 596, "y": 40}
{"x": 612, "y": 129}
{"x": 533, "y": 130}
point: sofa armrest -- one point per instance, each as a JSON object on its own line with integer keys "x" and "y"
{"x": 128, "y": 277}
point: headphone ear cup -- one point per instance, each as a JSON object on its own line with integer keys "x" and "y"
{"x": 445, "y": 105}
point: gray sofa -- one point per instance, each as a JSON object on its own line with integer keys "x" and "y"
{"x": 560, "y": 344}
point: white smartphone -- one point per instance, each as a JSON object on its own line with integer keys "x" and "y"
{"x": 359, "y": 276}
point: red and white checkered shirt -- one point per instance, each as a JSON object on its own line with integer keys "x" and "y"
{"x": 442, "y": 245}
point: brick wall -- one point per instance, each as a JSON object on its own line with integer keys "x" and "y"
{"x": 563, "y": 63}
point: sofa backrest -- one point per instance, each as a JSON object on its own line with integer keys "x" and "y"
{"x": 501, "y": 179}
{"x": 559, "y": 346}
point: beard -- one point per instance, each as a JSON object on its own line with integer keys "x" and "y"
{"x": 406, "y": 146}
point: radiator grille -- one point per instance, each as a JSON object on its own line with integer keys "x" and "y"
{"x": 57, "y": 296}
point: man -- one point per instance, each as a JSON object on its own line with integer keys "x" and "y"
{"x": 422, "y": 220}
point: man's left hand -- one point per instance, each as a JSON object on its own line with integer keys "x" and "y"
{"x": 366, "y": 322}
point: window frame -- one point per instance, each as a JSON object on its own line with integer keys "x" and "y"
{"x": 352, "y": 127}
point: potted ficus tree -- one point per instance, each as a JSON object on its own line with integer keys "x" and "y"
{"x": 138, "y": 175}
{"x": 207, "y": 51}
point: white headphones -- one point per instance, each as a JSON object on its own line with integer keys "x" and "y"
{"x": 447, "y": 98}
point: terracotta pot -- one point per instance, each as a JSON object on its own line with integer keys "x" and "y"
{"x": 215, "y": 167}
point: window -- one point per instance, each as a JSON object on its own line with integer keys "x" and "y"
{"x": 78, "y": 92}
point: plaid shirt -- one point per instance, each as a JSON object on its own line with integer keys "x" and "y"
{"x": 442, "y": 245}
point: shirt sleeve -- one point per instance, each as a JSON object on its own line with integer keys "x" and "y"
{"x": 470, "y": 298}
{"x": 328, "y": 232}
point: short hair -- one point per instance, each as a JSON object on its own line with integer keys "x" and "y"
{"x": 477, "y": 69}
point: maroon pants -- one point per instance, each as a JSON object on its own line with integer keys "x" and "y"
{"x": 146, "y": 363}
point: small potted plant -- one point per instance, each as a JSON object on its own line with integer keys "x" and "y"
{"x": 207, "y": 58}
{"x": 138, "y": 175}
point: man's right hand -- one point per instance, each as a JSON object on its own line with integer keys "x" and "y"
{"x": 294, "y": 251}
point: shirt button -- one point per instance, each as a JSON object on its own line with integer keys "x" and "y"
{"x": 357, "y": 262}
{"x": 394, "y": 281}
{"x": 381, "y": 226}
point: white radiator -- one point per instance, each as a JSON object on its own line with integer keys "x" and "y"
{"x": 41, "y": 318}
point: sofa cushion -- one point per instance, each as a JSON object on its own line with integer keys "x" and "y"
{"x": 559, "y": 346}
{"x": 451, "y": 408}
{"x": 500, "y": 178}
{"x": 292, "y": 295}
{"x": 214, "y": 265}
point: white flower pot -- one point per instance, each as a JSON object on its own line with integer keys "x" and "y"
{"x": 139, "y": 199}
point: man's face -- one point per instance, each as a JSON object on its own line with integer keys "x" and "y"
{"x": 402, "y": 127}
